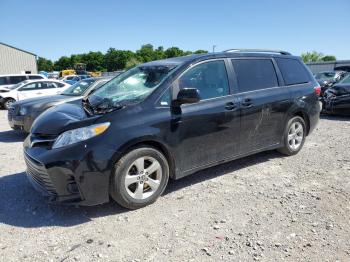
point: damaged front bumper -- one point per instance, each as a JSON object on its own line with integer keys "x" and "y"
{"x": 78, "y": 176}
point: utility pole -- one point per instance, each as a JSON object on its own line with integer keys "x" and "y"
{"x": 214, "y": 46}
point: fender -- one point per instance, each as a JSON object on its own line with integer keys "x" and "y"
{"x": 150, "y": 140}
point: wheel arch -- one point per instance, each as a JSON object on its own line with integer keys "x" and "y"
{"x": 304, "y": 116}
{"x": 151, "y": 142}
{"x": 299, "y": 111}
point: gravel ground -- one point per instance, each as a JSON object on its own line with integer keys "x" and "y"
{"x": 265, "y": 207}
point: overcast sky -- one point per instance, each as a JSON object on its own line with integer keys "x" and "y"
{"x": 55, "y": 28}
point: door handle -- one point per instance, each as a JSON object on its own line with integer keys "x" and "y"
{"x": 39, "y": 93}
{"x": 246, "y": 103}
{"x": 230, "y": 106}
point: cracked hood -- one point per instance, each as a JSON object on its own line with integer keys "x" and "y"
{"x": 58, "y": 119}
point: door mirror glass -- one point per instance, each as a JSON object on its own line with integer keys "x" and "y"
{"x": 187, "y": 96}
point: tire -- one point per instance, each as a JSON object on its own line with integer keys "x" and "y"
{"x": 132, "y": 174}
{"x": 291, "y": 148}
{"x": 8, "y": 103}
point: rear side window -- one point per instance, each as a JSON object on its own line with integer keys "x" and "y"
{"x": 60, "y": 85}
{"x": 16, "y": 79}
{"x": 293, "y": 71}
{"x": 35, "y": 77}
{"x": 254, "y": 74}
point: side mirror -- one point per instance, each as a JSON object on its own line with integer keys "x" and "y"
{"x": 187, "y": 96}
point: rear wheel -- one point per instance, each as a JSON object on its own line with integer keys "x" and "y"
{"x": 294, "y": 136}
{"x": 139, "y": 177}
{"x": 9, "y": 102}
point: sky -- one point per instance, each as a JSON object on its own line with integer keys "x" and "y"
{"x": 52, "y": 29}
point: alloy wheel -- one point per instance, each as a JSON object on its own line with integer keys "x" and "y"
{"x": 143, "y": 178}
{"x": 8, "y": 103}
{"x": 295, "y": 135}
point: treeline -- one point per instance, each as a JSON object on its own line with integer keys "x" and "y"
{"x": 317, "y": 57}
{"x": 113, "y": 59}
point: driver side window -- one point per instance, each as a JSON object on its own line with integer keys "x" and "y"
{"x": 210, "y": 78}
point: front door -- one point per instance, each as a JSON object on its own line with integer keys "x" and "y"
{"x": 207, "y": 132}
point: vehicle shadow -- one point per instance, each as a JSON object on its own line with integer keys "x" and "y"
{"x": 22, "y": 206}
{"x": 11, "y": 136}
{"x": 220, "y": 170}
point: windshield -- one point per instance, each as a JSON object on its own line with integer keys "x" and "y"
{"x": 325, "y": 75}
{"x": 134, "y": 85}
{"x": 18, "y": 85}
{"x": 345, "y": 80}
{"x": 78, "y": 88}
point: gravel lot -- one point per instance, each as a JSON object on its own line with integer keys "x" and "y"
{"x": 265, "y": 207}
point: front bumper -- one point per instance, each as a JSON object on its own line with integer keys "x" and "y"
{"x": 78, "y": 174}
{"x": 22, "y": 123}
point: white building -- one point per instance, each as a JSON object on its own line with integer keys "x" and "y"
{"x": 16, "y": 61}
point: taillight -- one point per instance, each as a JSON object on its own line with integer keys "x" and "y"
{"x": 317, "y": 90}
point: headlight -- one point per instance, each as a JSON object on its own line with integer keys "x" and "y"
{"x": 23, "y": 111}
{"x": 80, "y": 134}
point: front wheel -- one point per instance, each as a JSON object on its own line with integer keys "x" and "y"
{"x": 139, "y": 177}
{"x": 294, "y": 136}
{"x": 8, "y": 103}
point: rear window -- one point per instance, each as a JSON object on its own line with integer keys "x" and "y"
{"x": 293, "y": 71}
{"x": 254, "y": 74}
{"x": 16, "y": 79}
{"x": 35, "y": 77}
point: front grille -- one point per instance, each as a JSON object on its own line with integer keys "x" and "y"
{"x": 38, "y": 175}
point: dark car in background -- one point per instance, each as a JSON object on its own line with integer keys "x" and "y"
{"x": 168, "y": 119}
{"x": 22, "y": 114}
{"x": 328, "y": 78}
{"x": 336, "y": 99}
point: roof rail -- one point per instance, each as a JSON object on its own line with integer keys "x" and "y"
{"x": 258, "y": 51}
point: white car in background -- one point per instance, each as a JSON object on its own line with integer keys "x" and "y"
{"x": 6, "y": 81}
{"x": 30, "y": 89}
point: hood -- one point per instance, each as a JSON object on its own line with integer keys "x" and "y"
{"x": 42, "y": 102}
{"x": 340, "y": 89}
{"x": 60, "y": 118}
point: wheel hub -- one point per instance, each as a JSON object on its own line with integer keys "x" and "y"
{"x": 143, "y": 177}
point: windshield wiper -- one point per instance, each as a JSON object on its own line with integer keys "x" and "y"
{"x": 107, "y": 106}
{"x": 104, "y": 106}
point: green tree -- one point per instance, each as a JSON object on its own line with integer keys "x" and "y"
{"x": 311, "y": 56}
{"x": 173, "y": 52}
{"x": 94, "y": 61}
{"x": 329, "y": 58}
{"x": 116, "y": 59}
{"x": 200, "y": 51}
{"x": 44, "y": 64}
{"x": 146, "y": 53}
{"x": 63, "y": 63}
{"x": 316, "y": 57}
{"x": 132, "y": 62}
{"x": 159, "y": 53}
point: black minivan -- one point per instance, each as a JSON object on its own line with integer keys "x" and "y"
{"x": 168, "y": 119}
